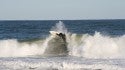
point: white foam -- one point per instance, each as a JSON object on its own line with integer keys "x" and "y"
{"x": 97, "y": 46}
{"x": 12, "y": 48}
{"x": 27, "y": 64}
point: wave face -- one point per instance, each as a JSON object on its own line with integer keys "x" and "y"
{"x": 83, "y": 45}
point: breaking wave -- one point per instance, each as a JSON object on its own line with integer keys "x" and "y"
{"x": 97, "y": 46}
{"x": 85, "y": 45}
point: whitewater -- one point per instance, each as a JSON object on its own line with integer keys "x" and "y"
{"x": 82, "y": 52}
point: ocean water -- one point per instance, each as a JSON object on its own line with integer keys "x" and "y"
{"x": 90, "y": 45}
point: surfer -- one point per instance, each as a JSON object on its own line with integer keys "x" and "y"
{"x": 63, "y": 36}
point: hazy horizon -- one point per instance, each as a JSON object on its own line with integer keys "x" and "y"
{"x": 61, "y": 9}
{"x": 52, "y": 19}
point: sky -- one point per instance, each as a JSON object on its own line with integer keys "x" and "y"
{"x": 61, "y": 9}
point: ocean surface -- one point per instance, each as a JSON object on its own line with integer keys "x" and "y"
{"x": 89, "y": 45}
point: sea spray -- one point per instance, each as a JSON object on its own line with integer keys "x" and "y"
{"x": 60, "y": 27}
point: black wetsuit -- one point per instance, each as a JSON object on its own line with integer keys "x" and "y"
{"x": 63, "y": 36}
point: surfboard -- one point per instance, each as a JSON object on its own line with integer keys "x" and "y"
{"x": 54, "y": 32}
